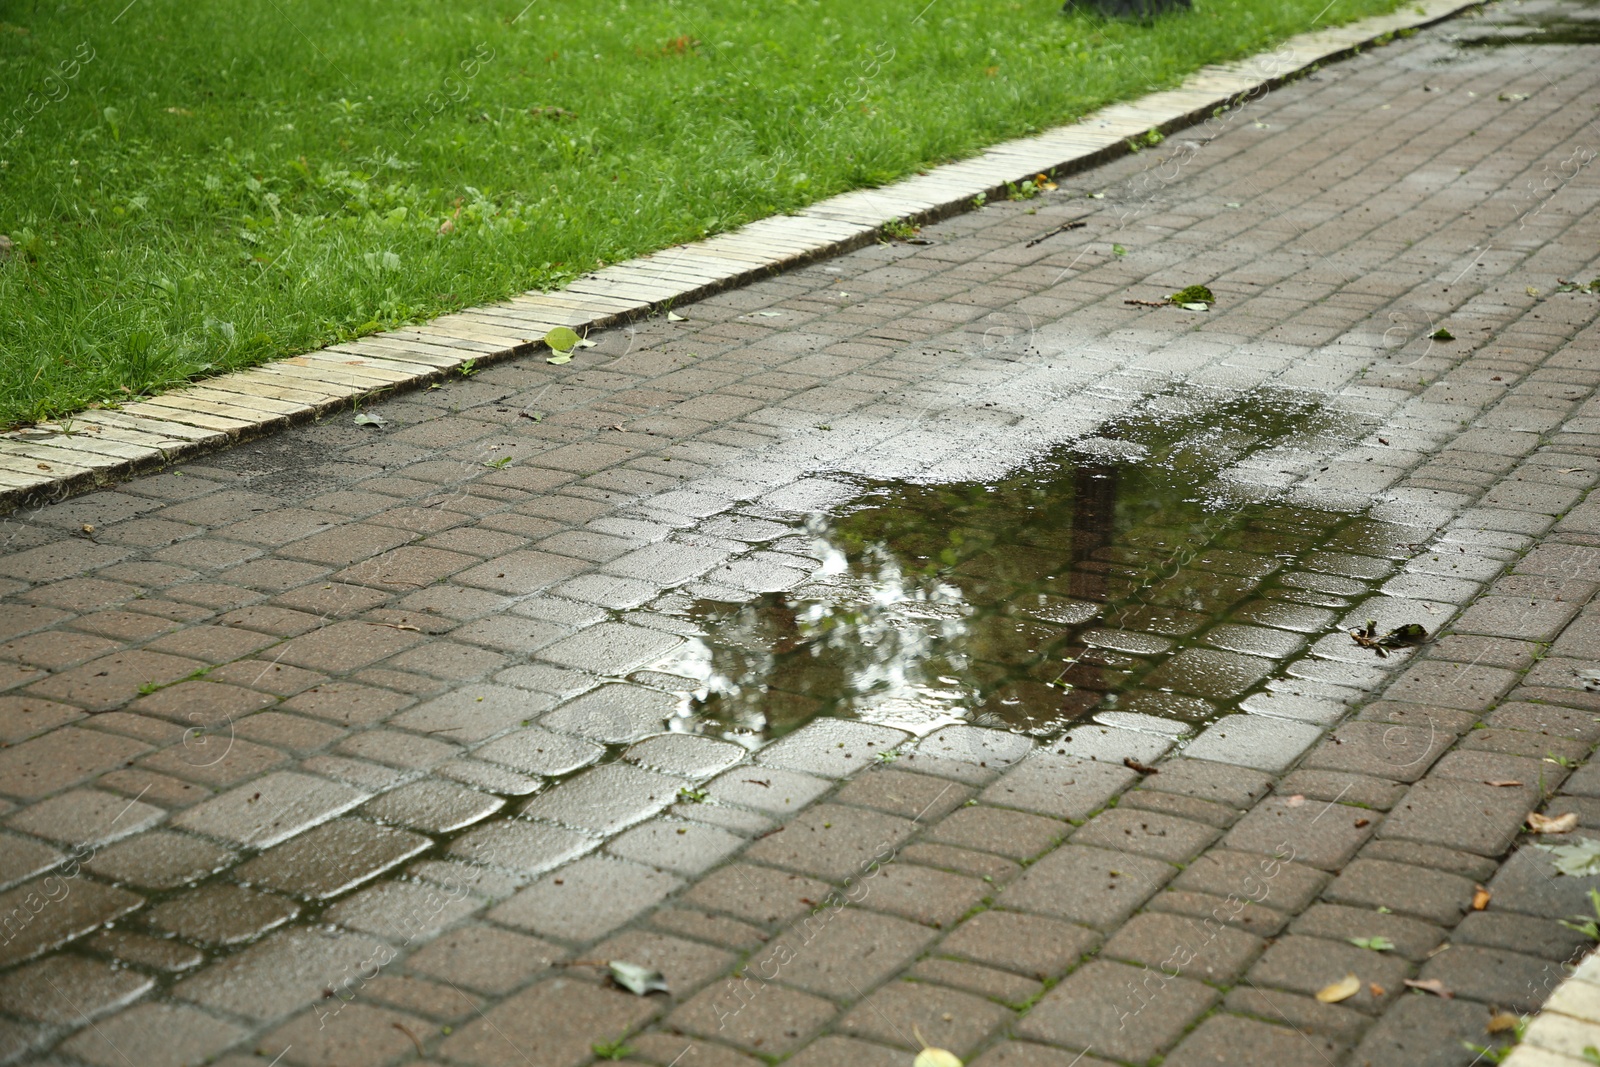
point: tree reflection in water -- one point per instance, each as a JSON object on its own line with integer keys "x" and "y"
{"x": 1026, "y": 602}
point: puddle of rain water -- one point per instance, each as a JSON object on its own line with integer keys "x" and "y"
{"x": 1554, "y": 31}
{"x": 1118, "y": 574}
{"x": 1539, "y": 29}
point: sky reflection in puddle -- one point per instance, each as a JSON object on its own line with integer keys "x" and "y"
{"x": 1124, "y": 573}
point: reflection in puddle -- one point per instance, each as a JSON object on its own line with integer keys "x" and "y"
{"x": 1539, "y": 29}
{"x": 1120, "y": 573}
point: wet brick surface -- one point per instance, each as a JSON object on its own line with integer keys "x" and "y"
{"x": 354, "y": 745}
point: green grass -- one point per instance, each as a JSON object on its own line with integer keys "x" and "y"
{"x": 200, "y": 185}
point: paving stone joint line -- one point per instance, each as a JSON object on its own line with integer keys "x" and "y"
{"x": 348, "y": 749}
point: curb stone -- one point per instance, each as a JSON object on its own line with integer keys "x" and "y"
{"x": 52, "y": 461}
{"x": 1568, "y": 1024}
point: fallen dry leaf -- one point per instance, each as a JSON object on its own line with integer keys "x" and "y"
{"x": 1552, "y": 824}
{"x": 1480, "y": 898}
{"x": 1431, "y": 985}
{"x": 933, "y": 1057}
{"x": 637, "y": 978}
{"x": 1375, "y": 989}
{"x": 1343, "y": 989}
{"x": 1501, "y": 783}
{"x": 1501, "y": 1021}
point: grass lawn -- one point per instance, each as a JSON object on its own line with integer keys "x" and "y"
{"x": 200, "y": 185}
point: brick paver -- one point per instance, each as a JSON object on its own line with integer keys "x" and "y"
{"x": 352, "y": 747}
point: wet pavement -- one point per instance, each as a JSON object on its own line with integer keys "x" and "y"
{"x": 924, "y": 645}
{"x": 1041, "y": 598}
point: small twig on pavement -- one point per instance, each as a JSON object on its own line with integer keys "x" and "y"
{"x": 1063, "y": 228}
{"x": 402, "y": 1028}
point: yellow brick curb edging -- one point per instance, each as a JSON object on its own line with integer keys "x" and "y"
{"x": 1568, "y": 1023}
{"x": 55, "y": 460}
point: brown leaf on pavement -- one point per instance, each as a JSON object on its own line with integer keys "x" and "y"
{"x": 1502, "y": 1021}
{"x": 1552, "y": 824}
{"x": 1431, "y": 985}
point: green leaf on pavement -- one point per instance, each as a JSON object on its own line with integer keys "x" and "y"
{"x": 562, "y": 339}
{"x": 1410, "y": 634}
{"x": 1578, "y": 860}
{"x": 1376, "y": 944}
{"x": 1193, "y": 294}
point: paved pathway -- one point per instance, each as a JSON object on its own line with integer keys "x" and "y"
{"x": 346, "y": 747}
